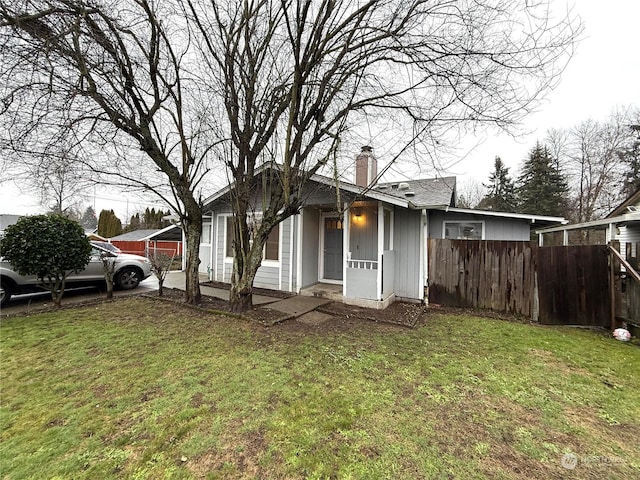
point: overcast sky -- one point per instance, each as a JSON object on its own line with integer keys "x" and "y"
{"x": 604, "y": 74}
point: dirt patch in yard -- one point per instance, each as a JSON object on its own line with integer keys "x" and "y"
{"x": 398, "y": 313}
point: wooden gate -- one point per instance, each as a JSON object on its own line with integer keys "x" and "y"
{"x": 573, "y": 285}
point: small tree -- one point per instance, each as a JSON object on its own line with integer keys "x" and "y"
{"x": 51, "y": 247}
{"x": 161, "y": 265}
{"x": 108, "y": 267}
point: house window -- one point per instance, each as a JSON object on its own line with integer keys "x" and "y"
{"x": 229, "y": 239}
{"x": 464, "y": 230}
{"x": 271, "y": 247}
{"x": 206, "y": 232}
{"x": 387, "y": 230}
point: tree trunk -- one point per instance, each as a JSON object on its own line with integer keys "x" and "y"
{"x": 245, "y": 266}
{"x": 241, "y": 297}
{"x": 193, "y": 232}
{"x": 160, "y": 283}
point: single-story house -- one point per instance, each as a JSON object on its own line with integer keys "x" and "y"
{"x": 375, "y": 252}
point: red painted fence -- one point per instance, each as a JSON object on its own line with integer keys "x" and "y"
{"x": 146, "y": 247}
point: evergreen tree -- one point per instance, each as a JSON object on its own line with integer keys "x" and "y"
{"x": 501, "y": 192}
{"x": 541, "y": 187}
{"x": 89, "y": 220}
{"x": 109, "y": 225}
{"x": 134, "y": 223}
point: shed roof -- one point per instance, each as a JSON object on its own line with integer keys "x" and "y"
{"x": 135, "y": 235}
{"x": 170, "y": 233}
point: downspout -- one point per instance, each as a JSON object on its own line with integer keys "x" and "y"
{"x": 380, "y": 251}
{"x": 210, "y": 266}
{"x": 214, "y": 246}
{"x": 424, "y": 253}
{"x": 299, "y": 257}
{"x": 184, "y": 251}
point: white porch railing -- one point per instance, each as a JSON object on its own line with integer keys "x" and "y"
{"x": 363, "y": 264}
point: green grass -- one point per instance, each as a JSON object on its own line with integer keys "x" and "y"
{"x": 143, "y": 389}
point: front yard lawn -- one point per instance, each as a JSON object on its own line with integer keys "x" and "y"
{"x": 139, "y": 388}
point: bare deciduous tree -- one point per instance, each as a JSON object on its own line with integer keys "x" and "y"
{"x": 593, "y": 156}
{"x": 113, "y": 79}
{"x": 298, "y": 75}
{"x": 278, "y": 83}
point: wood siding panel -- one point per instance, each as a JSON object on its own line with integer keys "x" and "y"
{"x": 407, "y": 235}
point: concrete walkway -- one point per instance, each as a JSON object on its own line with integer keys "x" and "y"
{"x": 292, "y": 307}
{"x": 177, "y": 280}
{"x": 298, "y": 305}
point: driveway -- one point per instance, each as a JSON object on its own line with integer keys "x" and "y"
{"x": 31, "y": 301}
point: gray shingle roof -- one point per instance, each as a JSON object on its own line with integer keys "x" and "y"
{"x": 426, "y": 192}
{"x": 135, "y": 235}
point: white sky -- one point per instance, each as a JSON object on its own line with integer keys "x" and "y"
{"x": 604, "y": 74}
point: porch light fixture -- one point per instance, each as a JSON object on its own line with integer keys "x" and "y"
{"x": 357, "y": 213}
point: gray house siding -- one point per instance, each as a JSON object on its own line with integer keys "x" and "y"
{"x": 205, "y": 258}
{"x": 406, "y": 245}
{"x": 628, "y": 235}
{"x": 285, "y": 253}
{"x": 363, "y": 234}
{"x": 310, "y": 246}
{"x": 295, "y": 227}
{"x": 495, "y": 228}
{"x": 221, "y": 222}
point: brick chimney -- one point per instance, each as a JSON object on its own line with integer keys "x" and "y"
{"x": 366, "y": 167}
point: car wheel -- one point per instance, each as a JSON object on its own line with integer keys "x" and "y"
{"x": 128, "y": 278}
{"x": 5, "y": 293}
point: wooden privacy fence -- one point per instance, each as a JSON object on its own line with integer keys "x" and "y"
{"x": 496, "y": 275}
{"x": 552, "y": 285}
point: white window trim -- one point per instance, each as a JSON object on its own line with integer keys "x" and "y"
{"x": 265, "y": 262}
{"x": 444, "y": 226}
{"x": 224, "y": 246}
{"x": 321, "y": 278}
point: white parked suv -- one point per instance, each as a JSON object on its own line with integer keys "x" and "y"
{"x": 129, "y": 271}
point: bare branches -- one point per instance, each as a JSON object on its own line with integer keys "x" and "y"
{"x": 262, "y": 82}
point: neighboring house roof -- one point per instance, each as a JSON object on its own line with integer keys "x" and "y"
{"x": 170, "y": 233}
{"x": 627, "y": 213}
{"x": 630, "y": 205}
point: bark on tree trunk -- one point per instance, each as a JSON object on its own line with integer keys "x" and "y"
{"x": 192, "y": 282}
{"x": 241, "y": 297}
{"x": 245, "y": 266}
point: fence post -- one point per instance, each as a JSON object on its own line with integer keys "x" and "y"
{"x": 613, "y": 267}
